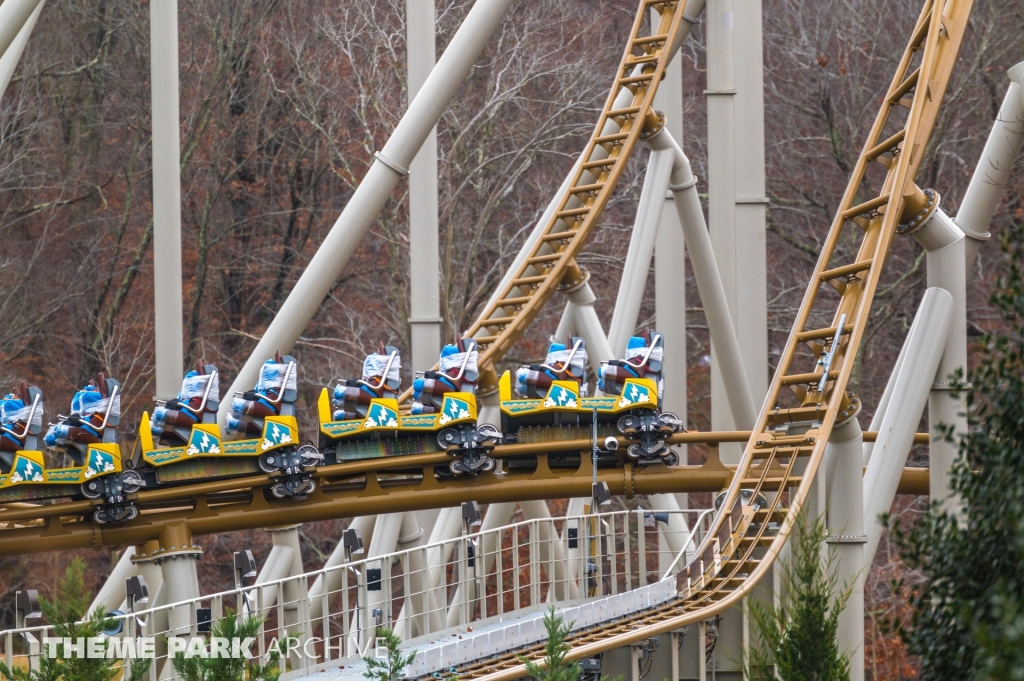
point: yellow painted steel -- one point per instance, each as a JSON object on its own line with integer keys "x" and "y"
{"x": 551, "y": 262}
{"x": 731, "y": 560}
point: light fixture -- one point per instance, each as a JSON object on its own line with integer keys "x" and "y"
{"x": 352, "y": 540}
{"x": 245, "y": 566}
{"x": 136, "y": 590}
{"x": 471, "y": 513}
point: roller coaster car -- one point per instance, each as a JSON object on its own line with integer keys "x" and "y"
{"x": 363, "y": 421}
{"x": 554, "y": 394}
{"x": 88, "y": 436}
{"x": 631, "y": 379}
{"x": 261, "y": 420}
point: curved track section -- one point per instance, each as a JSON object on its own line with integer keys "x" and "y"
{"x": 626, "y": 118}
{"x": 804, "y": 402}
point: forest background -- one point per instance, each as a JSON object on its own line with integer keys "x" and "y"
{"x": 282, "y": 107}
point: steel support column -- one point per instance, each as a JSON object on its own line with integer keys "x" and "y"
{"x": 670, "y": 267}
{"x": 736, "y": 219}
{"x": 909, "y": 395}
{"x": 11, "y": 56}
{"x": 993, "y": 170}
{"x": 425, "y": 321}
{"x": 846, "y": 537}
{"x": 364, "y": 206}
{"x": 710, "y": 285}
{"x": 167, "y": 328}
{"x": 641, "y": 249}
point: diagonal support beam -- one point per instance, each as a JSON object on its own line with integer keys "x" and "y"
{"x": 390, "y": 166}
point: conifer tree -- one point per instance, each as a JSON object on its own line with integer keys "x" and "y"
{"x": 799, "y": 636}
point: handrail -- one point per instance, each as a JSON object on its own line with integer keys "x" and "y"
{"x": 567, "y": 362}
{"x": 28, "y": 421}
{"x": 110, "y": 406}
{"x": 209, "y": 386}
{"x": 683, "y": 551}
{"x": 465, "y": 362}
{"x": 647, "y": 355}
{"x": 383, "y": 376}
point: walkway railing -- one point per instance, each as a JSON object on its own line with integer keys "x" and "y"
{"x": 332, "y": 614}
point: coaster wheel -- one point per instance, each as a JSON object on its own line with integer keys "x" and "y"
{"x": 270, "y": 461}
{"x": 131, "y": 482}
{"x": 448, "y": 438}
{"x": 92, "y": 489}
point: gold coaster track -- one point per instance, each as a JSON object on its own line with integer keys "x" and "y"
{"x": 780, "y": 460}
{"x": 551, "y": 263}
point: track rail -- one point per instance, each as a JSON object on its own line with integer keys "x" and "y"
{"x": 359, "y": 487}
{"x": 551, "y": 262}
{"x": 786, "y": 448}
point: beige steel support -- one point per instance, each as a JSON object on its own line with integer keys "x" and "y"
{"x": 587, "y": 324}
{"x": 13, "y": 16}
{"x": 296, "y": 619}
{"x": 332, "y": 583}
{"x": 425, "y": 322}
{"x": 846, "y": 537}
{"x": 641, "y": 249}
{"x": 677, "y": 528}
{"x": 277, "y": 566}
{"x": 748, "y": 296}
{"x": 721, "y": 96}
{"x": 552, "y": 551}
{"x": 447, "y": 527}
{"x": 167, "y": 329}
{"x": 993, "y": 170}
{"x": 702, "y": 645}
{"x": 10, "y": 57}
{"x": 412, "y": 619}
{"x": 364, "y": 206}
{"x": 709, "y": 282}
{"x": 945, "y": 243}
{"x": 883, "y": 402}
{"x": 674, "y": 644}
{"x": 111, "y": 594}
{"x": 670, "y": 267}
{"x": 385, "y": 538}
{"x": 910, "y": 393}
{"x": 496, "y": 516}
{"x": 149, "y": 569}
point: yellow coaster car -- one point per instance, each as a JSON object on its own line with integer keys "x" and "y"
{"x": 182, "y": 442}
{"x": 363, "y": 420}
{"x": 88, "y": 436}
{"x": 553, "y": 394}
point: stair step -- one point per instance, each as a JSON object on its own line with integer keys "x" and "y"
{"x": 821, "y": 334}
{"x": 906, "y": 86}
{"x": 846, "y": 270}
{"x": 567, "y": 235}
{"x": 801, "y": 379}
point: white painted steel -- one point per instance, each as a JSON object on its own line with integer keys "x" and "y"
{"x": 993, "y": 170}
{"x": 425, "y": 323}
{"x": 641, "y": 249}
{"x": 709, "y": 282}
{"x": 909, "y": 395}
{"x": 946, "y": 245}
{"x": 167, "y": 306}
{"x": 617, "y": 594}
{"x": 13, "y": 16}
{"x": 330, "y": 580}
{"x": 10, "y": 58}
{"x": 846, "y": 536}
{"x": 375, "y": 189}
{"x": 111, "y": 594}
{"x": 670, "y": 268}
